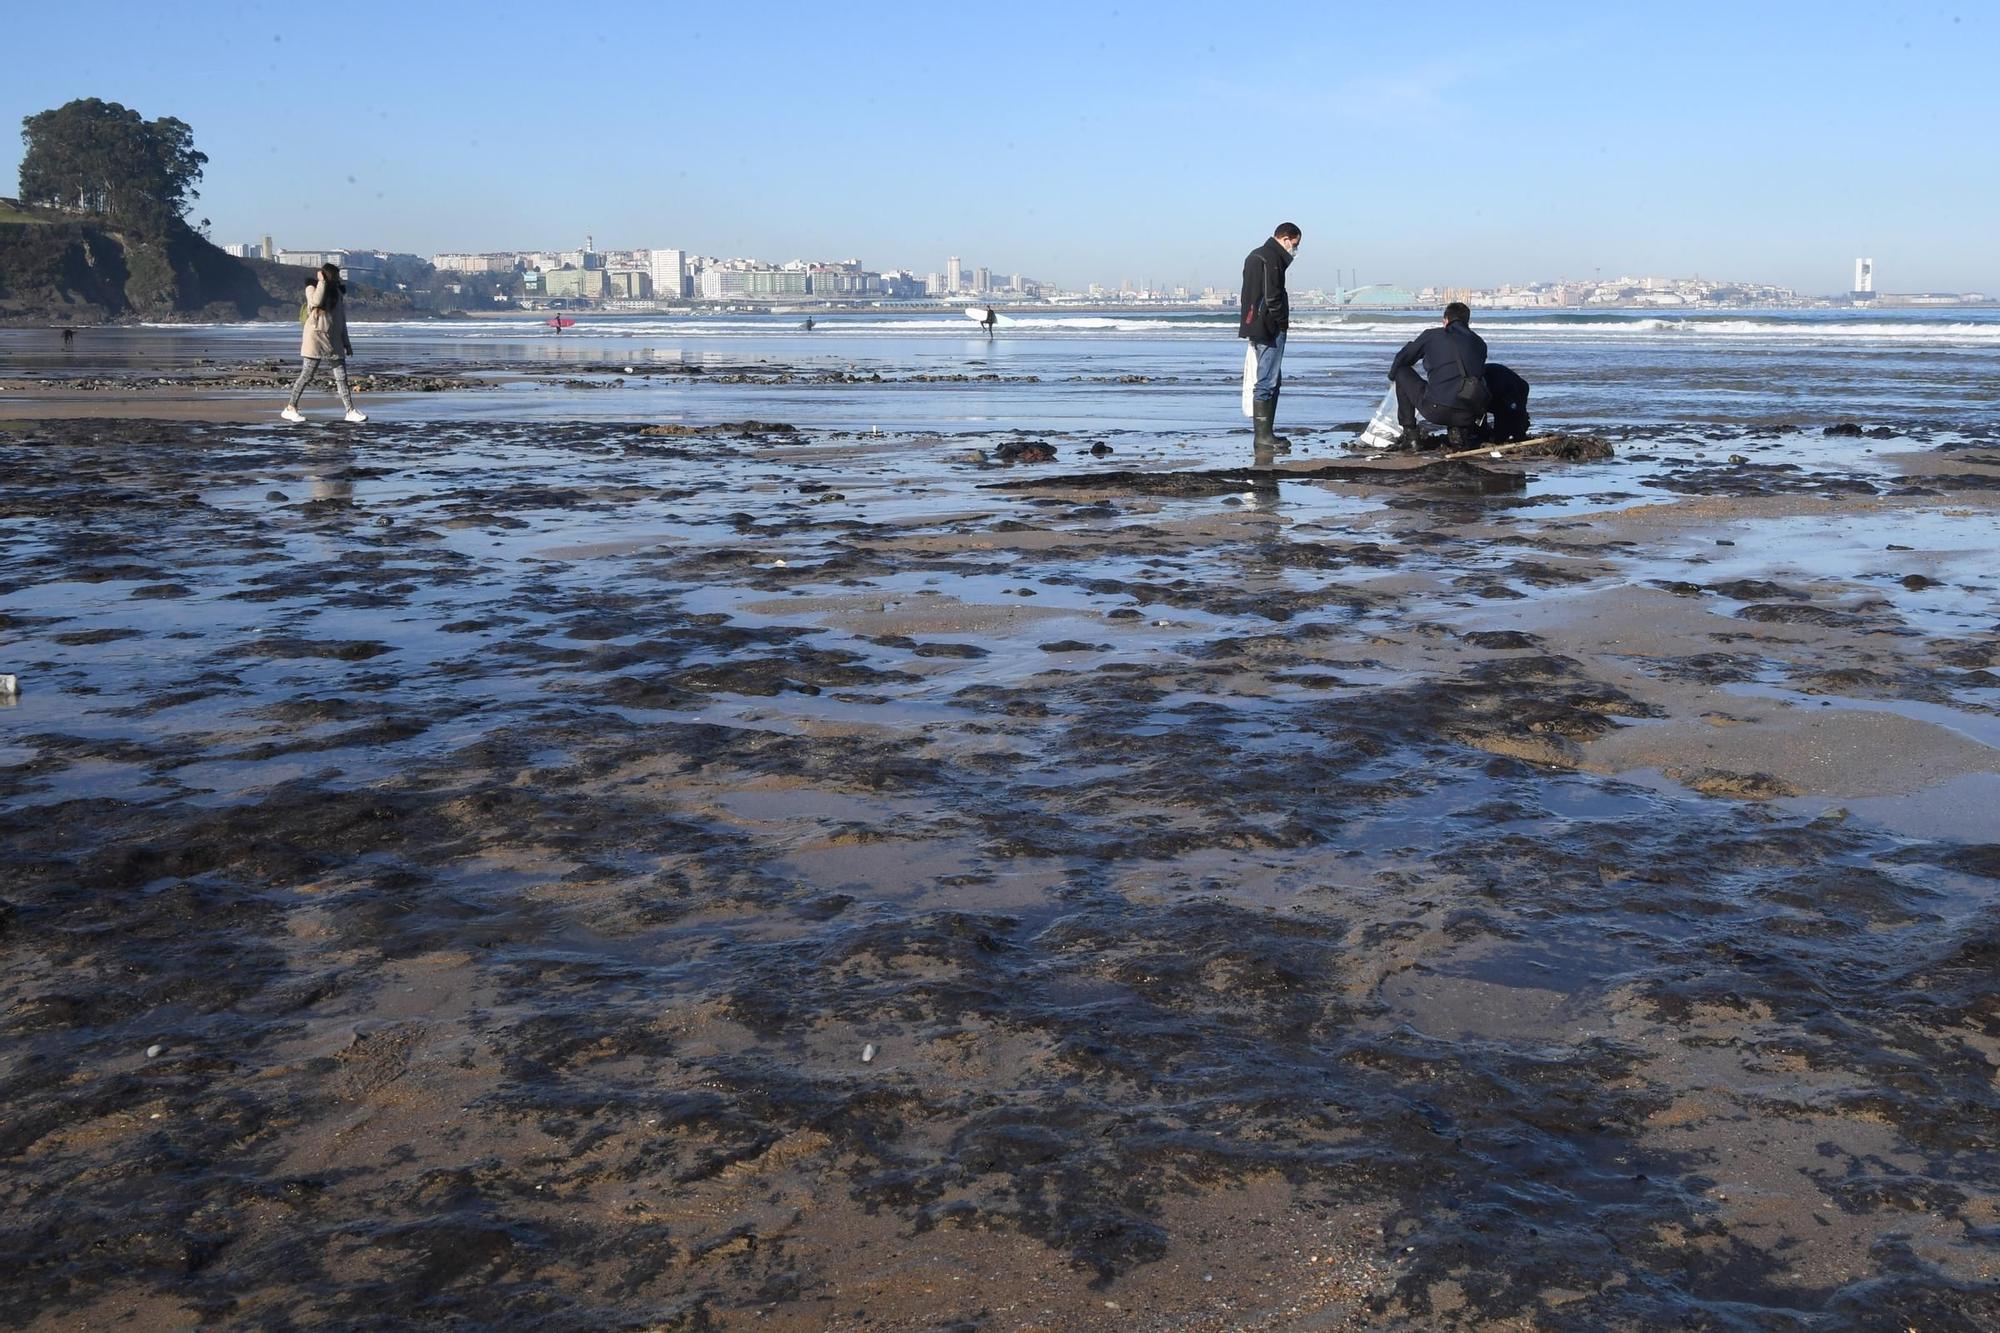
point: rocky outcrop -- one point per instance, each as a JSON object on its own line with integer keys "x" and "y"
{"x": 82, "y": 272}
{"x": 78, "y": 271}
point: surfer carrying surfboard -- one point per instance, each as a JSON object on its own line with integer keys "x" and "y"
{"x": 1267, "y": 314}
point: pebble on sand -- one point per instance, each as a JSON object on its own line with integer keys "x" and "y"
{"x": 868, "y": 1053}
{"x": 155, "y": 1051}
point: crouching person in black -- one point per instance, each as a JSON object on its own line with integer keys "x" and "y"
{"x": 1510, "y": 404}
{"x": 1456, "y": 388}
{"x": 1451, "y": 390}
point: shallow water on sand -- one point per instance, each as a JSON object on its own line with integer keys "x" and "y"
{"x": 1058, "y": 371}
{"x": 513, "y": 834}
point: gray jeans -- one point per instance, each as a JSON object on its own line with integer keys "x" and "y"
{"x": 338, "y": 365}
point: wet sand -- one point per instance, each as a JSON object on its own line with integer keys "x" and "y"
{"x": 555, "y": 876}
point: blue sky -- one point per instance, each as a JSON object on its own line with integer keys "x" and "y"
{"x": 1077, "y": 142}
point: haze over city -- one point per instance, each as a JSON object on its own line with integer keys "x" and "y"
{"x": 1767, "y": 143}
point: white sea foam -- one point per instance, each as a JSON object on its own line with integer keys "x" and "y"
{"x": 1372, "y": 327}
{"x": 1655, "y": 328}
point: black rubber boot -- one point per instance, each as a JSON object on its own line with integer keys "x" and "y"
{"x": 1410, "y": 440}
{"x": 1278, "y": 442}
{"x": 1264, "y": 413}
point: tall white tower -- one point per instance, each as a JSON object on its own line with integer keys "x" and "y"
{"x": 1864, "y": 277}
{"x": 669, "y": 269}
{"x": 954, "y": 278}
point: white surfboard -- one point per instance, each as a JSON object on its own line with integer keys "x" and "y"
{"x": 978, "y": 312}
{"x": 1249, "y": 379}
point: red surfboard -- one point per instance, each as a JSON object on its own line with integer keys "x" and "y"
{"x": 559, "y": 323}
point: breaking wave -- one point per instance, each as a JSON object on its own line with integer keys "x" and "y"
{"x": 1919, "y": 327}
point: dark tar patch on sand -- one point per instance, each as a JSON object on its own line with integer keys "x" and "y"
{"x": 512, "y": 837}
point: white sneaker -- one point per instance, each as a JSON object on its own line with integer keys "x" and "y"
{"x": 292, "y": 414}
{"x": 357, "y": 417}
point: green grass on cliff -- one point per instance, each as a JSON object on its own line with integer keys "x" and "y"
{"x": 11, "y": 211}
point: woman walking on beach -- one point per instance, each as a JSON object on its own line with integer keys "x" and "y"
{"x": 324, "y": 338}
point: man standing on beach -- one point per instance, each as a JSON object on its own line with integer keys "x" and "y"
{"x": 1267, "y": 314}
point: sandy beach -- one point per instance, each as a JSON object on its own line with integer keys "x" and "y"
{"x": 558, "y": 874}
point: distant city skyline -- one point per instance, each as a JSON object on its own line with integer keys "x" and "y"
{"x": 641, "y": 278}
{"x": 955, "y": 278}
{"x": 1769, "y": 143}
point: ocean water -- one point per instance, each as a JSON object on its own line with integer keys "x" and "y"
{"x": 1938, "y": 368}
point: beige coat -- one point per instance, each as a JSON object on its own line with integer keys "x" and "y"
{"x": 324, "y": 334}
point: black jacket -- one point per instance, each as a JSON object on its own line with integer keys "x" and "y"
{"x": 1441, "y": 349}
{"x": 1267, "y": 311}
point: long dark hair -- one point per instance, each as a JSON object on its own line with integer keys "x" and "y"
{"x": 329, "y": 276}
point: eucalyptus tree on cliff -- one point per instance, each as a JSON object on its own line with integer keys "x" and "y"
{"x": 99, "y": 158}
